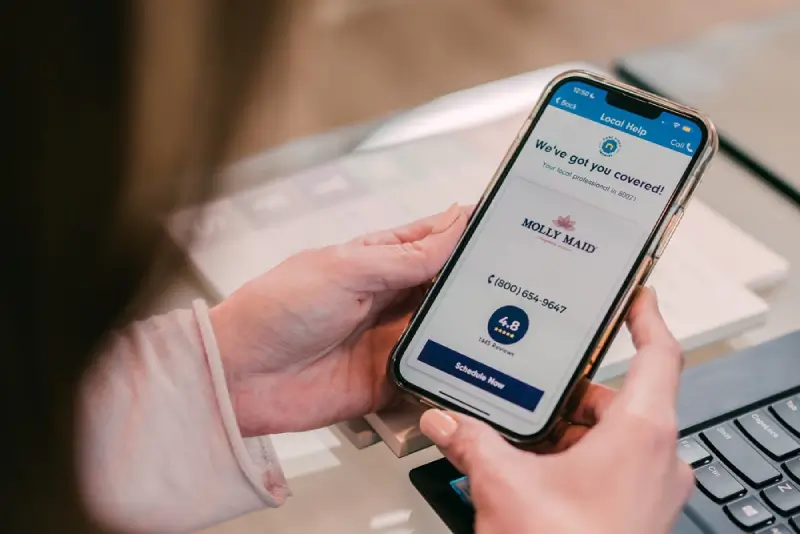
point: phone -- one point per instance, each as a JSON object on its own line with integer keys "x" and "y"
{"x": 575, "y": 218}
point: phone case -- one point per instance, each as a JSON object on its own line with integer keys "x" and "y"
{"x": 664, "y": 230}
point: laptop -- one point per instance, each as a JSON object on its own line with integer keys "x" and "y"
{"x": 740, "y": 431}
{"x": 746, "y": 76}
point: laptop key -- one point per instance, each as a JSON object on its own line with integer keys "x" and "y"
{"x": 740, "y": 456}
{"x": 778, "y": 528}
{"x": 749, "y": 514}
{"x": 784, "y": 497}
{"x": 707, "y": 515}
{"x": 795, "y": 522}
{"x": 692, "y": 452}
{"x": 718, "y": 483}
{"x": 793, "y": 468}
{"x": 788, "y": 412}
{"x": 765, "y": 432}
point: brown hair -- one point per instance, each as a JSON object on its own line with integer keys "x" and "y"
{"x": 114, "y": 113}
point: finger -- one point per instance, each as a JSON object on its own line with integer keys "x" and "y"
{"x": 416, "y": 230}
{"x": 646, "y": 325}
{"x": 407, "y": 263}
{"x": 686, "y": 482}
{"x": 593, "y": 404}
{"x": 466, "y": 442}
{"x": 654, "y": 376}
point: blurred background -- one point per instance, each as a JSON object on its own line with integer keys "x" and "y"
{"x": 347, "y": 61}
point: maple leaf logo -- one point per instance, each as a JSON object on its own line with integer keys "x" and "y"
{"x": 565, "y": 222}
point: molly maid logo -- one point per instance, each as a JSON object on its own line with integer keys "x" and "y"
{"x": 559, "y": 234}
{"x": 564, "y": 223}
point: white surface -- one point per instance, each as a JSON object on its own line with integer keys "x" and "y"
{"x": 398, "y": 428}
{"x": 470, "y": 107}
{"x": 696, "y": 235}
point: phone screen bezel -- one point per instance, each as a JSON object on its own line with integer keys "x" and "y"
{"x": 608, "y": 322}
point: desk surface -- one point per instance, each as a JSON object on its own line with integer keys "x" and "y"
{"x": 353, "y": 491}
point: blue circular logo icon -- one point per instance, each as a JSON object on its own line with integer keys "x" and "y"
{"x": 508, "y": 325}
{"x": 609, "y": 146}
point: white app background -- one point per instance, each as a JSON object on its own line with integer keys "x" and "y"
{"x": 540, "y": 261}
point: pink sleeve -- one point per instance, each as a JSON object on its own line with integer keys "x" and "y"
{"x": 160, "y": 447}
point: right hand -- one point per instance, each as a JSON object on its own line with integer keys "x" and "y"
{"x": 617, "y": 470}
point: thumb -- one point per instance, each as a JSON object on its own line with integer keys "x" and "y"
{"x": 414, "y": 255}
{"x": 468, "y": 443}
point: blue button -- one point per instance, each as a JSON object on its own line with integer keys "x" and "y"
{"x": 481, "y": 376}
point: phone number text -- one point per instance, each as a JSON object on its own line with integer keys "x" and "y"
{"x": 526, "y": 294}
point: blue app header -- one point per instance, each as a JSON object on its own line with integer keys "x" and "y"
{"x": 668, "y": 130}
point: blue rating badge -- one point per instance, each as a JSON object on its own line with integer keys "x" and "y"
{"x": 508, "y": 325}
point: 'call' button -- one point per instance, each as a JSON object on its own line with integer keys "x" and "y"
{"x": 481, "y": 376}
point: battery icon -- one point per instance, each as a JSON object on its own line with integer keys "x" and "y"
{"x": 687, "y": 129}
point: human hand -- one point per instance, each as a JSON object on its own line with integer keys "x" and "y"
{"x": 306, "y": 344}
{"x": 616, "y": 469}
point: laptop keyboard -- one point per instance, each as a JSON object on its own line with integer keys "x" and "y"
{"x": 750, "y": 466}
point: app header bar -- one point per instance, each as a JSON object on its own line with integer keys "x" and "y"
{"x": 668, "y": 130}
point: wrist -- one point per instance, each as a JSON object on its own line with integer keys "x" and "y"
{"x": 251, "y": 362}
{"x": 237, "y": 368}
{"x": 222, "y": 323}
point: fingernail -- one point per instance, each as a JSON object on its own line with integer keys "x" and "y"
{"x": 438, "y": 426}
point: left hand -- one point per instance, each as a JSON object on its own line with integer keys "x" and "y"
{"x": 306, "y": 344}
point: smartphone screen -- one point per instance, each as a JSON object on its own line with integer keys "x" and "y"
{"x": 549, "y": 253}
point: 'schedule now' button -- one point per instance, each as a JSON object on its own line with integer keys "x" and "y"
{"x": 481, "y": 376}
